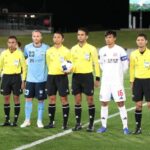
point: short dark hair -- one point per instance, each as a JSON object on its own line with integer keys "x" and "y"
{"x": 110, "y": 32}
{"x": 19, "y": 44}
{"x": 12, "y": 37}
{"x": 84, "y": 30}
{"x": 142, "y": 35}
{"x": 59, "y": 32}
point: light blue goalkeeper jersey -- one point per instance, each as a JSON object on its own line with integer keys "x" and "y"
{"x": 36, "y": 62}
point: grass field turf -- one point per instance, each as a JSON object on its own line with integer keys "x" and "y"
{"x": 12, "y": 137}
{"x": 113, "y": 139}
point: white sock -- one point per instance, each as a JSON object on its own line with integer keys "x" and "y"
{"x": 104, "y": 115}
{"x": 123, "y": 115}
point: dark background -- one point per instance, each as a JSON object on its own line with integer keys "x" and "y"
{"x": 68, "y": 15}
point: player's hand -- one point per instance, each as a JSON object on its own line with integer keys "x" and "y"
{"x": 67, "y": 73}
{"x": 23, "y": 85}
{"x": 97, "y": 84}
{"x": 131, "y": 85}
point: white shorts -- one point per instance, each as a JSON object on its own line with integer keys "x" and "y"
{"x": 116, "y": 91}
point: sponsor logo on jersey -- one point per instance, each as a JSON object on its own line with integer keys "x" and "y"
{"x": 112, "y": 60}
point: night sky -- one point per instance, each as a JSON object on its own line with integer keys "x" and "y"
{"x": 68, "y": 15}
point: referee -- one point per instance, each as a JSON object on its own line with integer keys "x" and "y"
{"x": 12, "y": 63}
{"x": 84, "y": 57}
{"x": 57, "y": 80}
{"x": 140, "y": 77}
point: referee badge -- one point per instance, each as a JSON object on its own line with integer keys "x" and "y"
{"x": 147, "y": 65}
{"x": 62, "y": 59}
{"x": 16, "y": 62}
{"x": 87, "y": 56}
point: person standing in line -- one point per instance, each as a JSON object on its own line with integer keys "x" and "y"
{"x": 113, "y": 63}
{"x": 35, "y": 54}
{"x": 84, "y": 58}
{"x": 140, "y": 77}
{"x": 57, "y": 78}
{"x": 12, "y": 64}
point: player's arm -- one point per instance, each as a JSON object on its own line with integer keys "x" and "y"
{"x": 125, "y": 61}
{"x": 48, "y": 47}
{"x": 25, "y": 53}
{"x": 47, "y": 58}
{"x": 1, "y": 62}
{"x": 132, "y": 69}
{"x": 96, "y": 66}
{"x": 72, "y": 59}
{"x": 24, "y": 67}
{"x": 24, "y": 70}
{"x": 100, "y": 59}
{"x": 68, "y": 56}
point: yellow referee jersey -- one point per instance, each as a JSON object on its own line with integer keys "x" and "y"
{"x": 139, "y": 65}
{"x": 13, "y": 63}
{"x": 55, "y": 57}
{"x": 84, "y": 59}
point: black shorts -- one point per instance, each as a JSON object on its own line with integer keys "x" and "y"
{"x": 83, "y": 83}
{"x": 37, "y": 90}
{"x": 11, "y": 83}
{"x": 141, "y": 89}
{"x": 57, "y": 83}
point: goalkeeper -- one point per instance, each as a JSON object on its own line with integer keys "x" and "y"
{"x": 57, "y": 78}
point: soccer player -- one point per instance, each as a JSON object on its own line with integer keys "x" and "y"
{"x": 57, "y": 79}
{"x": 35, "y": 53}
{"x": 84, "y": 57}
{"x": 11, "y": 63}
{"x": 113, "y": 63}
{"x": 140, "y": 77}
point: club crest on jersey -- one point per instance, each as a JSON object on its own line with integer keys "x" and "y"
{"x": 31, "y": 54}
{"x": 115, "y": 54}
{"x": 105, "y": 55}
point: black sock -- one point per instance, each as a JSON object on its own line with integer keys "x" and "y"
{"x": 78, "y": 110}
{"x": 138, "y": 117}
{"x": 91, "y": 114}
{"x": 65, "y": 114}
{"x": 51, "y": 112}
{"x": 16, "y": 112}
{"x": 7, "y": 112}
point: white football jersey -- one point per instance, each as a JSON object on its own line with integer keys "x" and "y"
{"x": 113, "y": 62}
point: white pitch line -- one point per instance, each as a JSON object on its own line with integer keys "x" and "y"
{"x": 65, "y": 132}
